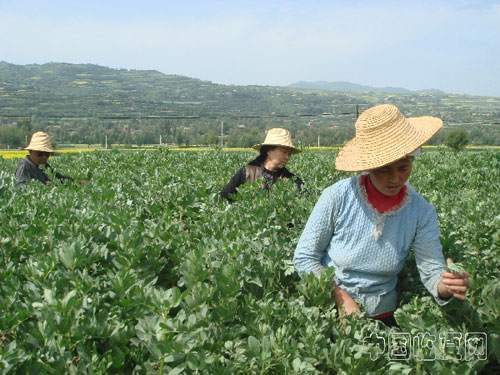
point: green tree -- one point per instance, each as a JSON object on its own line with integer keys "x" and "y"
{"x": 25, "y": 125}
{"x": 211, "y": 138}
{"x": 12, "y": 137}
{"x": 457, "y": 139}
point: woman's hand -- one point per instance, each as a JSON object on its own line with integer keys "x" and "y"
{"x": 344, "y": 301}
{"x": 453, "y": 284}
{"x": 350, "y": 307}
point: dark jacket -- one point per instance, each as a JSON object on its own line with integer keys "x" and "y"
{"x": 252, "y": 172}
{"x": 27, "y": 170}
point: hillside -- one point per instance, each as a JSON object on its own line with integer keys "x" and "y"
{"x": 59, "y": 89}
{"x": 81, "y": 103}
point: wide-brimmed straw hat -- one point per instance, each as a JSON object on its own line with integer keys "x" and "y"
{"x": 40, "y": 141}
{"x": 384, "y": 135}
{"x": 278, "y": 137}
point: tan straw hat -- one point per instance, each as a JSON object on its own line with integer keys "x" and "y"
{"x": 384, "y": 135}
{"x": 278, "y": 137}
{"x": 40, "y": 141}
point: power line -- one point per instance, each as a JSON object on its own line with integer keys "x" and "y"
{"x": 177, "y": 117}
{"x": 220, "y": 116}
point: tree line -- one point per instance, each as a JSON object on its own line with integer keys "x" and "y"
{"x": 207, "y": 132}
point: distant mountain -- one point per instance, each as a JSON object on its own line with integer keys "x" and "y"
{"x": 342, "y": 86}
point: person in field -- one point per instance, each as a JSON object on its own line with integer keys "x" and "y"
{"x": 274, "y": 154}
{"x": 33, "y": 165}
{"x": 364, "y": 226}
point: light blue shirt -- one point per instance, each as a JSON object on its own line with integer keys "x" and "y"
{"x": 368, "y": 249}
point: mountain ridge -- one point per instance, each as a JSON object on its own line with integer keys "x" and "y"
{"x": 336, "y": 86}
{"x": 344, "y": 86}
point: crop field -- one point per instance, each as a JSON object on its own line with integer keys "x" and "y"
{"x": 144, "y": 270}
{"x": 10, "y": 154}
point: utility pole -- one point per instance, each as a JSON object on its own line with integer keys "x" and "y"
{"x": 106, "y": 142}
{"x": 160, "y": 140}
{"x": 222, "y": 134}
{"x": 318, "y": 141}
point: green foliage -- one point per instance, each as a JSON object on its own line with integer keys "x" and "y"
{"x": 15, "y": 136}
{"x": 144, "y": 270}
{"x": 457, "y": 139}
{"x": 456, "y": 268}
{"x": 11, "y": 137}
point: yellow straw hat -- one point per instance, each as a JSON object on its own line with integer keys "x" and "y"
{"x": 278, "y": 137}
{"x": 40, "y": 141}
{"x": 384, "y": 135}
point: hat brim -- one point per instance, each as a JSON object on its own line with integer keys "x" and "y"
{"x": 41, "y": 149}
{"x": 293, "y": 150}
{"x": 360, "y": 155}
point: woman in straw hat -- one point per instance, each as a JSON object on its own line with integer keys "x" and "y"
{"x": 274, "y": 154}
{"x": 30, "y": 168}
{"x": 364, "y": 226}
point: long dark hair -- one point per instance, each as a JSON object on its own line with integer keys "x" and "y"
{"x": 259, "y": 160}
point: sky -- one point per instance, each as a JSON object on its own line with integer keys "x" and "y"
{"x": 452, "y": 45}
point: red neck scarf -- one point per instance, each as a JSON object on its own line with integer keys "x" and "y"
{"x": 381, "y": 202}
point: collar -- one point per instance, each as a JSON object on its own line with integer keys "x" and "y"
{"x": 31, "y": 161}
{"x": 381, "y": 213}
{"x": 382, "y": 203}
{"x": 35, "y": 165}
{"x": 276, "y": 172}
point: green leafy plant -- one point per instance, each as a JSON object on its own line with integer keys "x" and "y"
{"x": 146, "y": 271}
{"x": 455, "y": 267}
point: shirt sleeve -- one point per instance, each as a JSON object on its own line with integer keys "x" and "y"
{"x": 298, "y": 182}
{"x": 231, "y": 187}
{"x": 23, "y": 174}
{"x": 429, "y": 254}
{"x": 57, "y": 175}
{"x": 296, "y": 179}
{"x": 317, "y": 234}
{"x": 62, "y": 177}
